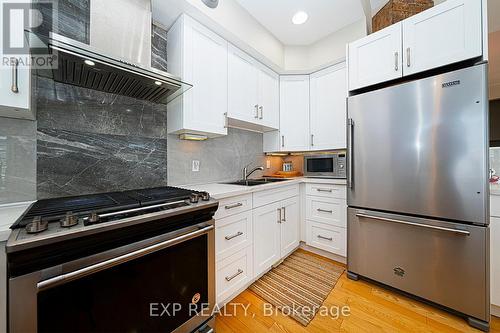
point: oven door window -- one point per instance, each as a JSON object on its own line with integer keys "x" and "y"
{"x": 136, "y": 296}
{"x": 320, "y": 165}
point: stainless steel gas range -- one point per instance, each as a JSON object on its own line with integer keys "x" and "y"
{"x": 139, "y": 260}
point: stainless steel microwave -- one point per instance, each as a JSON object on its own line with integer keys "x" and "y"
{"x": 325, "y": 165}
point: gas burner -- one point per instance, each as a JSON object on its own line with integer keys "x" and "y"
{"x": 69, "y": 220}
{"x": 37, "y": 225}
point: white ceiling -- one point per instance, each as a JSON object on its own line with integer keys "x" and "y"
{"x": 325, "y": 17}
{"x": 377, "y": 5}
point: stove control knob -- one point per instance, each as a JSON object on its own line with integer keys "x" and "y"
{"x": 205, "y": 196}
{"x": 69, "y": 220}
{"x": 93, "y": 217}
{"x": 193, "y": 198}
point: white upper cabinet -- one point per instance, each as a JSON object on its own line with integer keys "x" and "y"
{"x": 200, "y": 110}
{"x": 328, "y": 108}
{"x": 243, "y": 91}
{"x": 253, "y": 93}
{"x": 445, "y": 34}
{"x": 294, "y": 113}
{"x": 15, "y": 79}
{"x": 375, "y": 58}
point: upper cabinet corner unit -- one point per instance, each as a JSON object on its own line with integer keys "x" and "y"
{"x": 199, "y": 56}
{"x": 448, "y": 33}
{"x": 253, "y": 93}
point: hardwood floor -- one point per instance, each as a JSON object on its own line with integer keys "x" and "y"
{"x": 372, "y": 309}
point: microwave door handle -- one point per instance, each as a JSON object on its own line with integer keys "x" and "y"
{"x": 79, "y": 273}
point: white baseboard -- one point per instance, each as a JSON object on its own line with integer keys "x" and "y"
{"x": 335, "y": 257}
{"x": 495, "y": 310}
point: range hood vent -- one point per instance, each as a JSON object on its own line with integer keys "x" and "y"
{"x": 80, "y": 65}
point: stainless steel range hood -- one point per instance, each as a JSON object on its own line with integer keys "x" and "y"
{"x": 81, "y": 65}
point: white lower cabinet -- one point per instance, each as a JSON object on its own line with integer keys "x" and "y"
{"x": 290, "y": 226}
{"x": 232, "y": 274}
{"x": 233, "y": 234}
{"x": 326, "y": 218}
{"x": 267, "y": 229}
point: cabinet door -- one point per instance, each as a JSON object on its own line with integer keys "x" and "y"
{"x": 445, "y": 34}
{"x": 14, "y": 94}
{"x": 290, "y": 218}
{"x": 328, "y": 108}
{"x": 266, "y": 223}
{"x": 243, "y": 81}
{"x": 495, "y": 260}
{"x": 206, "y": 102}
{"x": 375, "y": 58}
{"x": 269, "y": 98}
{"x": 294, "y": 112}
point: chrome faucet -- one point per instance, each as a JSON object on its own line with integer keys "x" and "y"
{"x": 247, "y": 174}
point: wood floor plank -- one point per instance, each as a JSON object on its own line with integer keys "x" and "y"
{"x": 372, "y": 309}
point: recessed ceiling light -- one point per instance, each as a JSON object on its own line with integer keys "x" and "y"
{"x": 158, "y": 83}
{"x": 300, "y": 17}
{"x": 89, "y": 62}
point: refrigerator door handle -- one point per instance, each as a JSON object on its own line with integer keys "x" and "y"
{"x": 456, "y": 231}
{"x": 350, "y": 130}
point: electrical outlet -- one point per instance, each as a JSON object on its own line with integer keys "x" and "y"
{"x": 268, "y": 164}
{"x": 196, "y": 166}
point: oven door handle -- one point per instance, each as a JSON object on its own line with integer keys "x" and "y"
{"x": 63, "y": 278}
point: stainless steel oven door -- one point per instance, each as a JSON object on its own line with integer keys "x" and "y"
{"x": 126, "y": 287}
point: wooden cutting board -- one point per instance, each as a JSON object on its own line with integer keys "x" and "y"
{"x": 286, "y": 174}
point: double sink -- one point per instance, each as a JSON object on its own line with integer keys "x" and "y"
{"x": 254, "y": 182}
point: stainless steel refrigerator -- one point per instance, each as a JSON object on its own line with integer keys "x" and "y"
{"x": 418, "y": 192}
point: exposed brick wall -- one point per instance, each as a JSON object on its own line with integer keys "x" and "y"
{"x": 397, "y": 10}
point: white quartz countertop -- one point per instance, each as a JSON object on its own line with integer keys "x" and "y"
{"x": 9, "y": 213}
{"x": 221, "y": 191}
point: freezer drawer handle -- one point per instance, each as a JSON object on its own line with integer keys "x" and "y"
{"x": 229, "y": 278}
{"x": 239, "y": 233}
{"x": 325, "y": 211}
{"x": 326, "y": 238}
{"x": 236, "y": 205}
{"x": 457, "y": 231}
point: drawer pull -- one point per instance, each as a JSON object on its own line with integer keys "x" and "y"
{"x": 427, "y": 226}
{"x": 324, "y": 190}
{"x": 239, "y": 204}
{"x": 239, "y": 233}
{"x": 325, "y": 238}
{"x": 229, "y": 278}
{"x": 14, "y": 88}
{"x": 284, "y": 214}
{"x": 279, "y": 215}
{"x": 325, "y": 211}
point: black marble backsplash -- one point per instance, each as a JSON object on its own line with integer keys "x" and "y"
{"x": 90, "y": 141}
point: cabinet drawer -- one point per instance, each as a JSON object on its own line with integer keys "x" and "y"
{"x": 495, "y": 205}
{"x": 233, "y": 273}
{"x": 232, "y": 234}
{"x": 329, "y": 238}
{"x": 326, "y": 190}
{"x": 276, "y": 194}
{"x": 326, "y": 210}
{"x": 233, "y": 205}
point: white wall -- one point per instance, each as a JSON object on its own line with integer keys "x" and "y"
{"x": 329, "y": 50}
{"x": 494, "y": 65}
{"x": 230, "y": 21}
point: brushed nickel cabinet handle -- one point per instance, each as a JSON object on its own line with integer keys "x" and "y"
{"x": 324, "y": 190}
{"x": 15, "y": 65}
{"x": 279, "y": 215}
{"x": 256, "y": 111}
{"x": 261, "y": 109}
{"x": 284, "y": 214}
{"x": 239, "y": 233}
{"x": 229, "y": 278}
{"x": 239, "y": 204}
{"x": 408, "y": 60}
{"x": 325, "y": 238}
{"x": 282, "y": 141}
{"x": 325, "y": 211}
{"x": 312, "y": 139}
{"x": 396, "y": 61}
